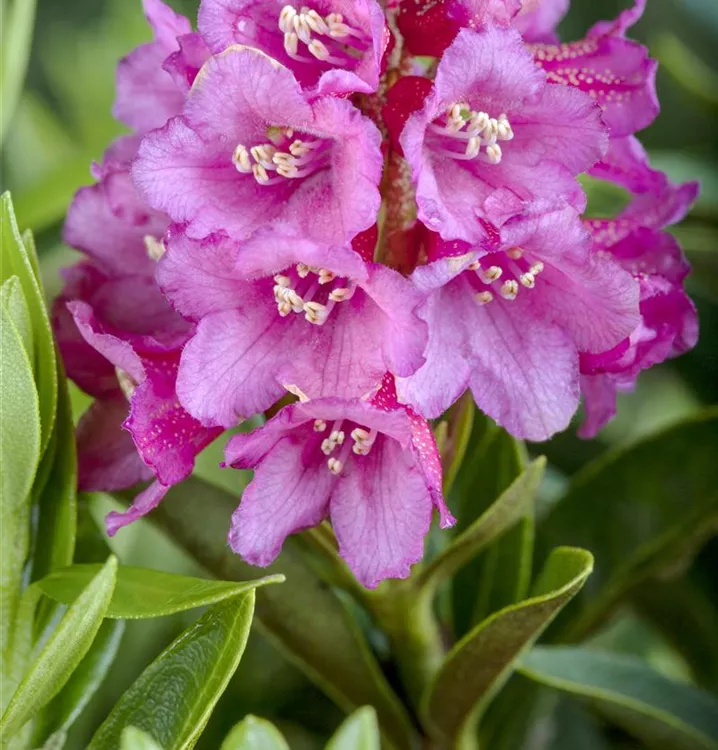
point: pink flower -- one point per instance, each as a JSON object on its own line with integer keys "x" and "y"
{"x": 371, "y": 466}
{"x": 537, "y": 20}
{"x": 334, "y": 47}
{"x": 282, "y": 310}
{"x": 153, "y": 80}
{"x": 668, "y": 326}
{"x": 429, "y": 27}
{"x": 509, "y": 320}
{"x": 250, "y": 148}
{"x": 121, "y": 342}
{"x": 614, "y": 71}
{"x": 493, "y": 135}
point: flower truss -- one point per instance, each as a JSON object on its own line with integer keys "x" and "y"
{"x": 345, "y": 214}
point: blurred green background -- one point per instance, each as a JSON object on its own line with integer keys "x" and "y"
{"x": 63, "y": 122}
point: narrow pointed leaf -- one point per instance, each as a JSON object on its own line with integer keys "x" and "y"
{"x": 63, "y": 651}
{"x": 512, "y": 505}
{"x": 255, "y": 734}
{"x": 479, "y": 665}
{"x": 13, "y": 300}
{"x": 661, "y": 713}
{"x": 641, "y": 510}
{"x": 174, "y": 697}
{"x": 16, "y": 261}
{"x": 61, "y": 713}
{"x": 312, "y": 625}
{"x": 359, "y": 732}
{"x": 141, "y": 592}
{"x": 20, "y": 449}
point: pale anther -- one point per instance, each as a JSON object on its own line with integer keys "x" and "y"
{"x": 291, "y": 43}
{"x": 241, "y": 160}
{"x": 528, "y": 280}
{"x": 260, "y": 173}
{"x": 337, "y": 437}
{"x": 282, "y": 280}
{"x": 515, "y": 253}
{"x": 316, "y": 22}
{"x": 340, "y": 294}
{"x": 493, "y": 153}
{"x": 318, "y": 49}
{"x": 491, "y": 274}
{"x": 327, "y": 446}
{"x": 483, "y": 298}
{"x": 335, "y": 465}
{"x": 325, "y": 275}
{"x": 536, "y": 268}
{"x": 286, "y": 18}
{"x": 473, "y": 147}
{"x": 319, "y": 425}
{"x": 155, "y": 248}
{"x": 303, "y": 270}
{"x": 509, "y": 289}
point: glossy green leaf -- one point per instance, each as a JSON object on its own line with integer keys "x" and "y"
{"x": 663, "y": 714}
{"x": 255, "y": 734}
{"x": 61, "y": 713}
{"x": 312, "y": 625}
{"x": 17, "y": 260}
{"x": 141, "y": 592}
{"x": 20, "y": 446}
{"x": 174, "y": 697}
{"x": 16, "y": 34}
{"x": 512, "y": 505}
{"x": 64, "y": 650}
{"x": 135, "y": 739}
{"x": 502, "y": 573}
{"x": 359, "y": 732}
{"x": 459, "y": 426}
{"x": 13, "y": 300}
{"x": 479, "y": 664}
{"x": 641, "y": 510}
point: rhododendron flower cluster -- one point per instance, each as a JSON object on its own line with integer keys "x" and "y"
{"x": 343, "y": 215}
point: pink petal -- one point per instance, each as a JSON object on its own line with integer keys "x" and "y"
{"x": 146, "y": 501}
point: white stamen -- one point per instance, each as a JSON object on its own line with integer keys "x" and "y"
{"x": 491, "y": 274}
{"x": 286, "y": 18}
{"x": 335, "y": 465}
{"x": 363, "y": 441}
{"x": 483, "y": 298}
{"x": 264, "y": 154}
{"x": 241, "y": 160}
{"x": 298, "y": 148}
{"x": 478, "y": 121}
{"x": 260, "y": 173}
{"x": 318, "y": 49}
{"x": 340, "y": 294}
{"x": 315, "y": 22}
{"x": 303, "y": 270}
{"x": 291, "y": 43}
{"x": 515, "y": 253}
{"x": 528, "y": 280}
{"x": 505, "y": 133}
{"x": 289, "y": 171}
{"x": 282, "y": 280}
{"x": 316, "y": 313}
{"x": 536, "y": 268}
{"x": 509, "y": 289}
{"x": 494, "y": 153}
{"x": 474, "y": 266}
{"x": 319, "y": 425}
{"x": 301, "y": 27}
{"x": 473, "y": 147}
{"x": 338, "y": 437}
{"x": 325, "y": 275}
{"x": 155, "y": 248}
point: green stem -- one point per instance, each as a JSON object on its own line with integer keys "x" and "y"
{"x": 406, "y": 616}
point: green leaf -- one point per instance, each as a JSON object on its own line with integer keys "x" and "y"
{"x": 480, "y": 664}
{"x": 61, "y": 713}
{"x": 513, "y": 505}
{"x": 663, "y": 714}
{"x": 359, "y": 732}
{"x": 642, "y": 511}
{"x": 141, "y": 592}
{"x": 174, "y": 697}
{"x": 56, "y": 502}
{"x": 455, "y": 438}
{"x": 13, "y": 300}
{"x": 20, "y": 445}
{"x": 17, "y": 27}
{"x": 255, "y": 734}
{"x": 63, "y": 651}
{"x": 312, "y": 625}
{"x": 18, "y": 260}
{"x": 502, "y": 573}
{"x": 135, "y": 739}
